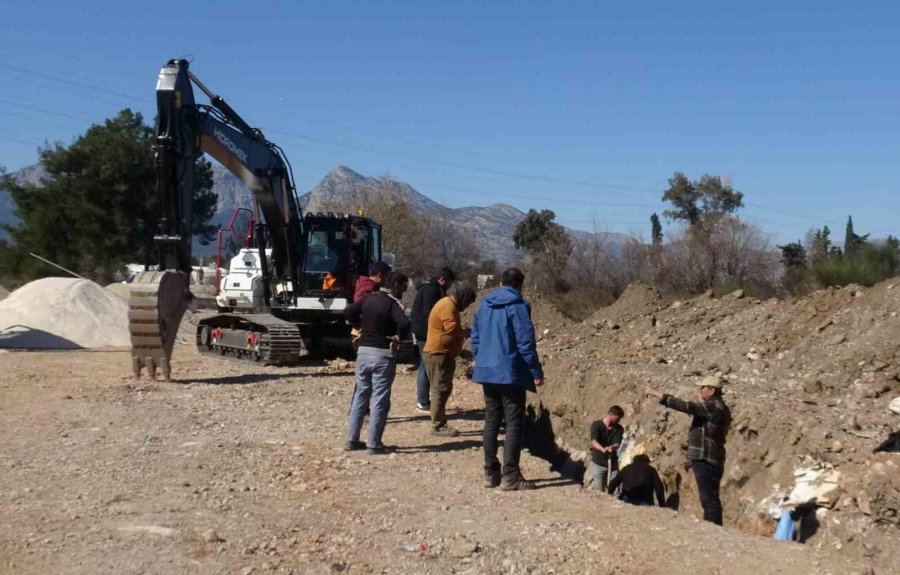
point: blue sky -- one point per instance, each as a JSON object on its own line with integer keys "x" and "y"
{"x": 585, "y": 108}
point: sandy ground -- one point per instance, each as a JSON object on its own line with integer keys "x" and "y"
{"x": 239, "y": 469}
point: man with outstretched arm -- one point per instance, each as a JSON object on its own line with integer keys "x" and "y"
{"x": 706, "y": 440}
{"x": 506, "y": 366}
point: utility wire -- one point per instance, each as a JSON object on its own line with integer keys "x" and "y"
{"x": 366, "y": 149}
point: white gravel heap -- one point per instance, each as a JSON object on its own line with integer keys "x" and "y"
{"x": 63, "y": 313}
{"x": 4, "y": 293}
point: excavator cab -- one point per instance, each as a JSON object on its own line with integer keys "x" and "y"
{"x": 339, "y": 249}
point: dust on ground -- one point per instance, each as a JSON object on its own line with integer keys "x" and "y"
{"x": 238, "y": 468}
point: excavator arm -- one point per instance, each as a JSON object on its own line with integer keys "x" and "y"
{"x": 186, "y": 130}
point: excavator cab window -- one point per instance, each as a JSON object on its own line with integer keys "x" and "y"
{"x": 326, "y": 264}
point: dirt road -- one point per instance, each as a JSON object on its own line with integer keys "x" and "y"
{"x": 239, "y": 469}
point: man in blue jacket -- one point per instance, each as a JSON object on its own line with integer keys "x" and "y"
{"x": 506, "y": 366}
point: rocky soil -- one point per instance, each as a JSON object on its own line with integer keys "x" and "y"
{"x": 809, "y": 384}
{"x": 239, "y": 469}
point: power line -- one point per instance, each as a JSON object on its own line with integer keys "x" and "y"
{"x": 45, "y": 111}
{"x": 505, "y": 173}
{"x": 3, "y": 136}
{"x": 68, "y": 81}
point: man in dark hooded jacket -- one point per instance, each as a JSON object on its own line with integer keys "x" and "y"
{"x": 428, "y": 294}
{"x": 506, "y": 366}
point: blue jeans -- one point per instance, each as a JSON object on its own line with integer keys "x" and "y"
{"x": 602, "y": 476}
{"x": 423, "y": 387}
{"x": 374, "y": 377}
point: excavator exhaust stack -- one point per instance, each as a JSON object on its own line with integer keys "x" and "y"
{"x": 157, "y": 304}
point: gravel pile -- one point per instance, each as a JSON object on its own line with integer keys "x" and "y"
{"x": 63, "y": 313}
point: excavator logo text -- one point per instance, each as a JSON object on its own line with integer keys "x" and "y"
{"x": 232, "y": 147}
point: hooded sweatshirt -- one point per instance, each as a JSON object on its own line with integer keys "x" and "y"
{"x": 503, "y": 340}
{"x": 364, "y": 286}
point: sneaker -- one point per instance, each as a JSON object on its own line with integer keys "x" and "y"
{"x": 380, "y": 450}
{"x": 445, "y": 432}
{"x": 354, "y": 446}
{"x": 423, "y": 408}
{"x": 491, "y": 480}
{"x": 516, "y": 483}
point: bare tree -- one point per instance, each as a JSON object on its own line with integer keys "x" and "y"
{"x": 421, "y": 242}
{"x": 728, "y": 255}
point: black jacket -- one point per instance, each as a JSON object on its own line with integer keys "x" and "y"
{"x": 639, "y": 481}
{"x": 427, "y": 295}
{"x": 379, "y": 317}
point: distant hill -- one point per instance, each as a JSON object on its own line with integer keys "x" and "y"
{"x": 491, "y": 226}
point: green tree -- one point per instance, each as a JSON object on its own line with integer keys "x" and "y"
{"x": 656, "y": 232}
{"x": 820, "y": 245}
{"x": 872, "y": 263}
{"x": 793, "y": 255}
{"x": 98, "y": 208}
{"x": 702, "y": 200}
{"x": 798, "y": 278}
{"x": 853, "y": 243}
{"x": 533, "y": 232}
{"x": 549, "y": 246}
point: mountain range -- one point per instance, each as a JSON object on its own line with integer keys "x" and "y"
{"x": 491, "y": 226}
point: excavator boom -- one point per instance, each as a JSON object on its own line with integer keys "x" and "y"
{"x": 185, "y": 130}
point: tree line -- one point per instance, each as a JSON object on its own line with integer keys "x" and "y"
{"x": 98, "y": 209}
{"x": 713, "y": 249}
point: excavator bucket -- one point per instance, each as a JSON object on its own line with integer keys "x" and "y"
{"x": 157, "y": 303}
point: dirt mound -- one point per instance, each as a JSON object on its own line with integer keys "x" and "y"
{"x": 809, "y": 380}
{"x": 63, "y": 313}
{"x": 638, "y": 301}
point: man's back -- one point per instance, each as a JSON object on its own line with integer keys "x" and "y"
{"x": 503, "y": 340}
{"x": 445, "y": 333}
{"x": 639, "y": 481}
{"x": 427, "y": 295}
{"x": 379, "y": 317}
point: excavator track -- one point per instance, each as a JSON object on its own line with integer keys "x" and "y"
{"x": 156, "y": 305}
{"x": 259, "y": 338}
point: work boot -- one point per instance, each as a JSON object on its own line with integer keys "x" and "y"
{"x": 516, "y": 483}
{"x": 445, "y": 431}
{"x": 354, "y": 446}
{"x": 380, "y": 450}
{"x": 492, "y": 479}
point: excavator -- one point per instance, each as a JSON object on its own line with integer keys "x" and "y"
{"x": 286, "y": 289}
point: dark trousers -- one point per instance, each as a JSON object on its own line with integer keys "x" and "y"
{"x": 503, "y": 401}
{"x": 708, "y": 478}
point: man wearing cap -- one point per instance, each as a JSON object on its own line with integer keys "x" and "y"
{"x": 706, "y": 440}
